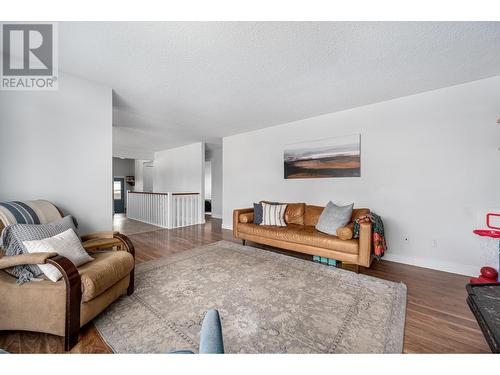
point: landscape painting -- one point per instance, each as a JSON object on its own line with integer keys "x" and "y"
{"x": 333, "y": 157}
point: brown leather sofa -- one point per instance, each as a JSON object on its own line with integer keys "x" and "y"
{"x": 301, "y": 236}
{"x": 61, "y": 308}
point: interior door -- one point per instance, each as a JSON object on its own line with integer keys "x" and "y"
{"x": 119, "y": 194}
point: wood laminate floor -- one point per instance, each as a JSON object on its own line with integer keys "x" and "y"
{"x": 128, "y": 226}
{"x": 438, "y": 319}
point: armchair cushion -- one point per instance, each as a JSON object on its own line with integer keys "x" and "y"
{"x": 66, "y": 244}
{"x": 106, "y": 270}
{"x": 12, "y": 240}
{"x": 28, "y": 212}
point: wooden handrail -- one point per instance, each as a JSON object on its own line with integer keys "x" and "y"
{"x": 148, "y": 192}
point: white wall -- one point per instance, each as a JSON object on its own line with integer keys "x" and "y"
{"x": 181, "y": 169}
{"x": 121, "y": 151}
{"x": 123, "y": 167}
{"x": 148, "y": 176}
{"x": 430, "y": 163}
{"x": 208, "y": 180}
{"x": 52, "y": 143}
{"x": 139, "y": 175}
{"x": 216, "y": 161}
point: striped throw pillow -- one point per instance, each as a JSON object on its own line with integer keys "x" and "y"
{"x": 273, "y": 214}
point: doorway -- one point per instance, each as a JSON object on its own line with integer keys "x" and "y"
{"x": 119, "y": 194}
{"x": 208, "y": 187}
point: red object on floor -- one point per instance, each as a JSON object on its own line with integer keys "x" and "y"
{"x": 489, "y": 272}
{"x": 488, "y": 275}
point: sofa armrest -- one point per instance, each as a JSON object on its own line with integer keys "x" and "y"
{"x": 365, "y": 244}
{"x": 18, "y": 260}
{"x": 236, "y": 218}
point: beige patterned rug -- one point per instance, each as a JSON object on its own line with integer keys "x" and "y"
{"x": 269, "y": 303}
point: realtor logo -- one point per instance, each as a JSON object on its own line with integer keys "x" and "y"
{"x": 29, "y": 56}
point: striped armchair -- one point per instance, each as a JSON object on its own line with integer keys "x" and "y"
{"x": 62, "y": 307}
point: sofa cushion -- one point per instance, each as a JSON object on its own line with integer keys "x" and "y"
{"x": 301, "y": 234}
{"x": 106, "y": 270}
{"x": 334, "y": 217}
{"x": 312, "y": 215}
{"x": 294, "y": 213}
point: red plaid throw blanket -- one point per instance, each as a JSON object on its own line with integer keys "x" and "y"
{"x": 379, "y": 243}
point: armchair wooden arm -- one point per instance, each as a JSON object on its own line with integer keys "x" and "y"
{"x": 95, "y": 235}
{"x": 73, "y": 298}
{"x": 129, "y": 247}
{"x": 110, "y": 240}
{"x": 107, "y": 240}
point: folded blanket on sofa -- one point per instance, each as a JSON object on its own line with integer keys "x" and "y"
{"x": 379, "y": 243}
{"x": 14, "y": 235}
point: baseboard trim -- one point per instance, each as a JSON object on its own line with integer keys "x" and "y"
{"x": 432, "y": 264}
{"x": 437, "y": 265}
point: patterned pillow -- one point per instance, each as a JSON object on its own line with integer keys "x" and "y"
{"x": 257, "y": 211}
{"x": 14, "y": 235}
{"x": 334, "y": 217}
{"x": 273, "y": 214}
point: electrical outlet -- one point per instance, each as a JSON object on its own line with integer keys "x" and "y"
{"x": 434, "y": 243}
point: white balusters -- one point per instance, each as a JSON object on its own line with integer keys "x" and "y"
{"x": 167, "y": 210}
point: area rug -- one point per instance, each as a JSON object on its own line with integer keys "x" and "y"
{"x": 268, "y": 302}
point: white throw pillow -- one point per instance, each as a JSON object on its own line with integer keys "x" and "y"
{"x": 66, "y": 244}
{"x": 273, "y": 214}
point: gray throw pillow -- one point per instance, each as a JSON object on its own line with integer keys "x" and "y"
{"x": 334, "y": 217}
{"x": 14, "y": 235}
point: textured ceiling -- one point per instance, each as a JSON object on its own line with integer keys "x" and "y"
{"x": 180, "y": 82}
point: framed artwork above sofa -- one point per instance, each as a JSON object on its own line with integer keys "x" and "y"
{"x": 331, "y": 157}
